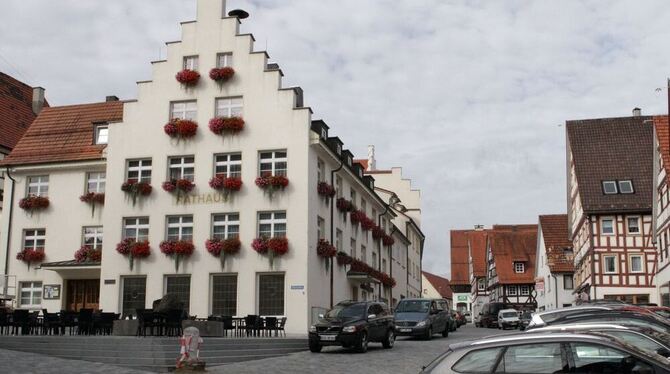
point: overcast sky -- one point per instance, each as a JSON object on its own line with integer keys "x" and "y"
{"x": 469, "y": 97}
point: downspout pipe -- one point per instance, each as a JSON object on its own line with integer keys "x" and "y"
{"x": 9, "y": 226}
{"x": 555, "y": 289}
{"x": 391, "y": 262}
{"x": 332, "y": 225}
{"x": 379, "y": 252}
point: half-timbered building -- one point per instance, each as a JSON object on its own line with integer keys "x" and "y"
{"x": 662, "y": 206}
{"x": 554, "y": 270}
{"x": 609, "y": 186}
{"x": 510, "y": 260}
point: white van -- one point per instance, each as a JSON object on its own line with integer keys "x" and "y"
{"x": 508, "y": 318}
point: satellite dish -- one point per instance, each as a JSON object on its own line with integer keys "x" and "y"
{"x": 239, "y": 13}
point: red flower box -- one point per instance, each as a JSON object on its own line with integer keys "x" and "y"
{"x": 271, "y": 183}
{"x": 217, "y": 247}
{"x": 93, "y": 198}
{"x": 32, "y": 203}
{"x": 221, "y": 125}
{"x": 29, "y": 255}
{"x": 358, "y": 216}
{"x": 177, "y": 249}
{"x": 361, "y": 267}
{"x": 221, "y": 74}
{"x": 133, "y": 249}
{"x": 367, "y": 224}
{"x": 181, "y": 128}
{"x": 221, "y": 183}
{"x": 179, "y": 185}
{"x": 388, "y": 240}
{"x": 135, "y": 189}
{"x": 377, "y": 233}
{"x": 272, "y": 247}
{"x": 325, "y": 249}
{"x": 88, "y": 254}
{"x": 188, "y": 77}
{"x": 326, "y": 190}
{"x": 344, "y": 205}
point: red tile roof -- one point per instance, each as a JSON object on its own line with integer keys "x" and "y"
{"x": 16, "y": 110}
{"x": 555, "y": 233}
{"x": 441, "y": 284}
{"x": 61, "y": 134}
{"x": 663, "y": 135}
{"x": 509, "y": 246}
{"x": 613, "y": 149}
{"x": 462, "y": 241}
{"x": 363, "y": 162}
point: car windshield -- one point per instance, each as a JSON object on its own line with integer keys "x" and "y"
{"x": 526, "y": 315}
{"x": 509, "y": 314}
{"x": 346, "y": 311}
{"x": 638, "y": 340}
{"x": 413, "y": 306}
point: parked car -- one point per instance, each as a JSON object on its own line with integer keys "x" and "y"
{"x": 524, "y": 320}
{"x": 645, "y": 339}
{"x": 460, "y": 318}
{"x": 547, "y": 353}
{"x": 468, "y": 316}
{"x": 508, "y": 318}
{"x": 617, "y": 317}
{"x": 421, "y": 317}
{"x": 352, "y": 324}
{"x": 477, "y": 319}
{"x": 662, "y": 311}
{"x": 489, "y": 314}
{"x": 547, "y": 317}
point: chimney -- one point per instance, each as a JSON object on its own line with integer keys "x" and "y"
{"x": 38, "y": 99}
{"x": 111, "y": 98}
{"x": 479, "y": 227}
{"x": 637, "y": 112}
{"x": 372, "y": 163}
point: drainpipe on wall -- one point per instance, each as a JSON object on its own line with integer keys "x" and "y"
{"x": 332, "y": 214}
{"x": 555, "y": 288}
{"x": 9, "y": 225}
{"x": 391, "y": 263}
{"x": 593, "y": 263}
{"x": 379, "y": 251}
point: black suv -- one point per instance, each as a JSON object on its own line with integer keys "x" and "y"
{"x": 353, "y": 324}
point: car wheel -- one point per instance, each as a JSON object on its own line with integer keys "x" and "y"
{"x": 445, "y": 333}
{"x": 389, "y": 340}
{"x": 315, "y": 347}
{"x": 362, "y": 345}
{"x": 429, "y": 333}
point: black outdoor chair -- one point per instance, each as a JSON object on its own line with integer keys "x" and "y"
{"x": 106, "y": 323}
{"x": 173, "y": 319}
{"x": 85, "y": 322}
{"x": 281, "y": 324}
{"x": 69, "y": 320}
{"x": 146, "y": 318}
{"x": 52, "y": 323}
{"x": 253, "y": 324}
{"x": 20, "y": 322}
{"x": 4, "y": 321}
{"x": 270, "y": 326}
{"x": 228, "y": 325}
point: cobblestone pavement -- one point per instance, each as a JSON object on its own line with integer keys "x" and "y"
{"x": 407, "y": 356}
{"x": 14, "y": 362}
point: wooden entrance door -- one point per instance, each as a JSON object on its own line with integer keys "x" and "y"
{"x": 83, "y": 293}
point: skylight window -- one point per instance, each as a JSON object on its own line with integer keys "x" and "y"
{"x": 626, "y": 187}
{"x": 610, "y": 188}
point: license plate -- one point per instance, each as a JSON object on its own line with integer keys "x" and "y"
{"x": 405, "y": 330}
{"x": 327, "y": 337}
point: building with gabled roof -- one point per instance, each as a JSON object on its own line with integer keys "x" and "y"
{"x": 610, "y": 198}
{"x": 662, "y": 206}
{"x": 554, "y": 270}
{"x": 435, "y": 286}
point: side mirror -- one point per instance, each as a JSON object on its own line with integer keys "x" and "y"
{"x": 372, "y": 316}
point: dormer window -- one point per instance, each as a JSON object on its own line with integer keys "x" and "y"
{"x": 349, "y": 161}
{"x": 323, "y": 133}
{"x": 626, "y": 187}
{"x": 339, "y": 149}
{"x": 101, "y": 133}
{"x": 519, "y": 267}
{"x": 610, "y": 188}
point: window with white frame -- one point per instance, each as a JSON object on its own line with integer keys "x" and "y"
{"x": 364, "y": 255}
{"x": 607, "y": 226}
{"x": 34, "y": 239}
{"x": 511, "y": 290}
{"x": 610, "y": 188}
{"x": 626, "y": 187}
{"x": 224, "y": 59}
{"x": 609, "y": 264}
{"x": 191, "y": 62}
{"x": 272, "y": 163}
{"x": 568, "y": 282}
{"x": 320, "y": 170}
{"x": 92, "y": 237}
{"x": 229, "y": 107}
{"x": 320, "y": 227}
{"x": 272, "y": 224}
{"x": 136, "y": 228}
{"x": 352, "y": 246}
{"x": 524, "y": 290}
{"x": 519, "y": 267}
{"x": 633, "y": 224}
{"x": 384, "y": 265}
{"x": 101, "y": 134}
{"x": 139, "y": 170}
{"x": 38, "y": 185}
{"x": 636, "y": 264}
{"x": 364, "y": 205}
{"x": 181, "y": 167}
{"x": 30, "y": 295}
{"x": 95, "y": 182}
{"x": 374, "y": 260}
{"x": 226, "y": 225}
{"x": 184, "y": 110}
{"x": 180, "y": 228}
{"x": 228, "y": 165}
{"x": 338, "y": 186}
{"x": 352, "y": 196}
{"x": 338, "y": 240}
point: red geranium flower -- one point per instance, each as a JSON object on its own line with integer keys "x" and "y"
{"x": 221, "y": 74}
{"x": 325, "y": 249}
{"x": 188, "y": 77}
{"x": 181, "y": 128}
{"x": 326, "y": 190}
{"x": 32, "y": 203}
{"x": 222, "y": 125}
